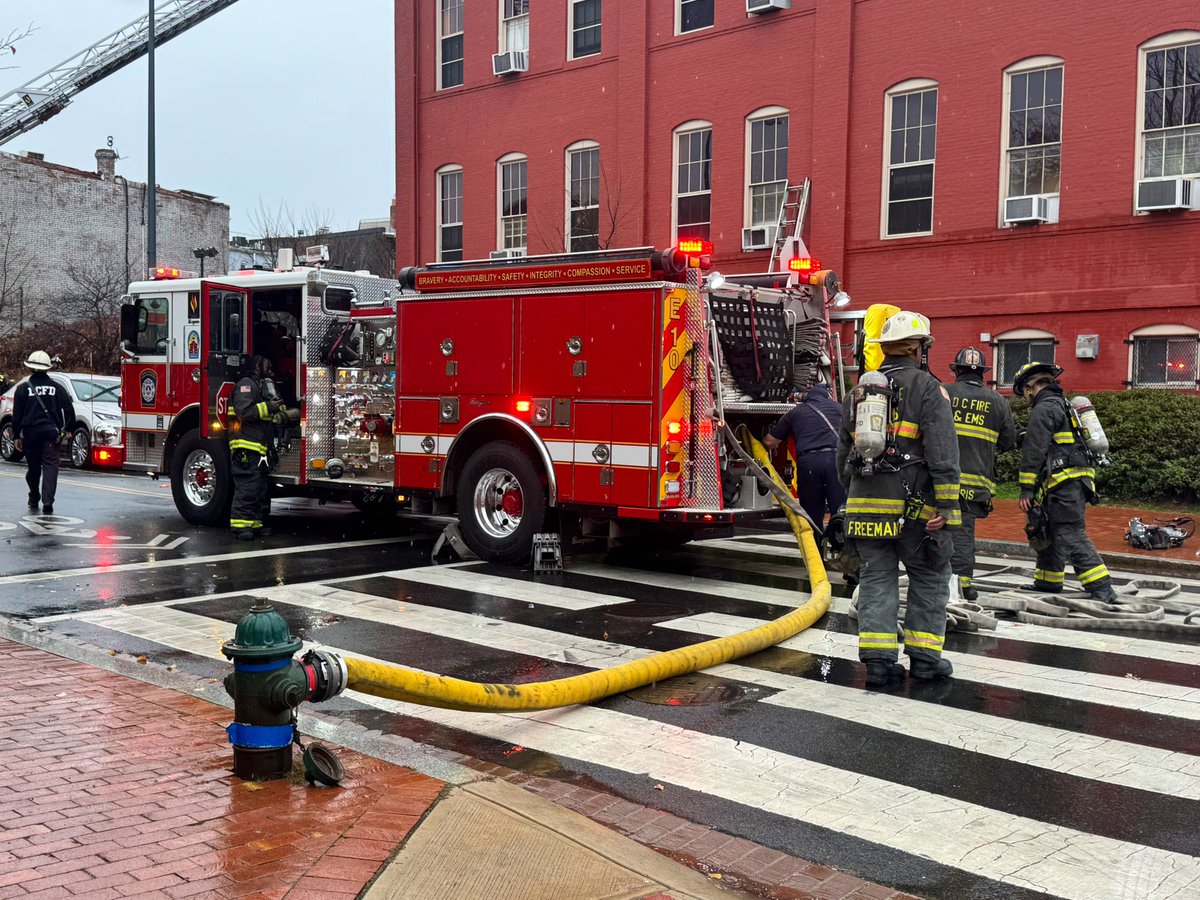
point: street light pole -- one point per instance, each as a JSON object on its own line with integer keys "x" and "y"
{"x": 151, "y": 189}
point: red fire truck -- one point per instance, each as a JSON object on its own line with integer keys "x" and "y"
{"x": 573, "y": 393}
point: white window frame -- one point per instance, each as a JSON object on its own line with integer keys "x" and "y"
{"x": 1150, "y": 332}
{"x": 442, "y": 37}
{"x": 505, "y": 20}
{"x": 442, "y": 172}
{"x": 911, "y": 86}
{"x": 571, "y": 4}
{"x": 679, "y": 18}
{"x": 689, "y": 127}
{"x": 766, "y": 112}
{"x": 508, "y": 160}
{"x": 581, "y": 147}
{"x": 1161, "y": 42}
{"x": 1018, "y": 334}
{"x": 1024, "y": 67}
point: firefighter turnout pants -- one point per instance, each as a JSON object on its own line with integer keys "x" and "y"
{"x": 926, "y": 557}
{"x": 962, "y": 562}
{"x": 42, "y": 453}
{"x": 251, "y": 489}
{"x": 1064, "y": 507}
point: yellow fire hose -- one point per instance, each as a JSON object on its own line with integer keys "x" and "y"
{"x": 399, "y": 683}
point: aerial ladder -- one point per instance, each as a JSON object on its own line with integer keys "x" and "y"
{"x": 46, "y": 95}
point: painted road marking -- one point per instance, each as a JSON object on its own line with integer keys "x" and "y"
{"x": 99, "y": 487}
{"x": 993, "y": 844}
{"x": 159, "y": 542}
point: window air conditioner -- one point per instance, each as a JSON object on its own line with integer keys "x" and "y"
{"x": 1167, "y": 193}
{"x": 516, "y": 253}
{"x": 510, "y": 62}
{"x": 1027, "y": 209}
{"x": 760, "y": 237}
{"x": 753, "y": 7}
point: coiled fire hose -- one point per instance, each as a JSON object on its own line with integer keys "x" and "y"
{"x": 398, "y": 683}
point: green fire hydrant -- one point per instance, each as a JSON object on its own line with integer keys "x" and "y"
{"x": 267, "y": 684}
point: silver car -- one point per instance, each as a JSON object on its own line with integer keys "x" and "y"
{"x": 97, "y": 402}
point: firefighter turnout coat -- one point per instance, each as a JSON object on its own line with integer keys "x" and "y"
{"x": 921, "y": 477}
{"x": 250, "y": 454}
{"x": 983, "y": 422}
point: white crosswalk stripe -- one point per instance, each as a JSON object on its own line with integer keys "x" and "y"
{"x": 975, "y": 837}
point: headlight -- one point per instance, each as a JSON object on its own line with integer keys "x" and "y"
{"x": 106, "y": 417}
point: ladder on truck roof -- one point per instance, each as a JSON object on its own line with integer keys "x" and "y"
{"x": 792, "y": 212}
{"x": 46, "y": 95}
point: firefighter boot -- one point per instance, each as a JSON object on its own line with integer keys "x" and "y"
{"x": 881, "y": 671}
{"x": 927, "y": 669}
{"x": 34, "y": 500}
{"x": 244, "y": 534}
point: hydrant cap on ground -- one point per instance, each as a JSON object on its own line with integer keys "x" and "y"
{"x": 262, "y": 632}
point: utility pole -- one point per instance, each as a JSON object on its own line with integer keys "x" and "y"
{"x": 151, "y": 189}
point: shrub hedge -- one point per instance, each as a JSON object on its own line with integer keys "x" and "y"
{"x": 1154, "y": 438}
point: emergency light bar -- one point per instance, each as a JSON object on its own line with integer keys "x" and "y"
{"x": 804, "y": 264}
{"x": 166, "y": 273}
{"x": 695, "y": 247}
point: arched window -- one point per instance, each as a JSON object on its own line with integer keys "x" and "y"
{"x": 1019, "y": 346}
{"x": 450, "y": 213}
{"x": 1164, "y": 356}
{"x": 583, "y": 196}
{"x": 766, "y": 169}
{"x": 910, "y": 141}
{"x": 691, "y": 209}
{"x": 511, "y": 203}
{"x": 1032, "y": 139}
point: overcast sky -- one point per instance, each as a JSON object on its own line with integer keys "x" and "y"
{"x": 271, "y": 100}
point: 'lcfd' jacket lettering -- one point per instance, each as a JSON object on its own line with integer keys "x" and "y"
{"x": 926, "y": 459}
{"x": 254, "y": 412}
{"x": 1052, "y": 454}
{"x": 983, "y": 422}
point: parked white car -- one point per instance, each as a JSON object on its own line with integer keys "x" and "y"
{"x": 97, "y": 402}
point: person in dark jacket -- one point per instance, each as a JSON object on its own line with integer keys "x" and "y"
{"x": 983, "y": 421}
{"x": 258, "y": 409}
{"x": 813, "y": 425}
{"x": 1058, "y": 477}
{"x": 899, "y": 508}
{"x": 42, "y": 414}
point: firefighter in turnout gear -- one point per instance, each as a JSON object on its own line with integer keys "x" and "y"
{"x": 1057, "y": 478}
{"x": 258, "y": 409}
{"x": 983, "y": 421}
{"x": 900, "y": 503}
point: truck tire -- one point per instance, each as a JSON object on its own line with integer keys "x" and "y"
{"x": 8, "y": 447}
{"x": 201, "y": 482}
{"x": 501, "y": 503}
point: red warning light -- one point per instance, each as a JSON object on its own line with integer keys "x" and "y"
{"x": 523, "y": 405}
{"x": 804, "y": 264}
{"x": 674, "y": 428}
{"x": 695, "y": 247}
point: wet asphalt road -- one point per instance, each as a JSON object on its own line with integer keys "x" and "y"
{"x": 984, "y": 786}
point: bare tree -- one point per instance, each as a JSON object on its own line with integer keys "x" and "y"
{"x": 279, "y": 227}
{"x": 8, "y": 42}
{"x": 85, "y": 321}
{"x": 616, "y": 202}
{"x": 15, "y": 265}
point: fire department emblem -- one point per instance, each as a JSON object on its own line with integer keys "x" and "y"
{"x": 149, "y": 387}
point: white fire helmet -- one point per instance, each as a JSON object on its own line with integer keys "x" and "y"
{"x": 902, "y": 326}
{"x": 39, "y": 361}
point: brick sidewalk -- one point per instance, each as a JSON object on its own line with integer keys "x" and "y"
{"x": 1106, "y": 526}
{"x": 116, "y": 788}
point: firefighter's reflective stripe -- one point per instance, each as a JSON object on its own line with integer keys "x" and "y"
{"x": 1093, "y": 574}
{"x": 877, "y": 640}
{"x": 245, "y": 523}
{"x": 1064, "y": 437}
{"x": 878, "y": 506}
{"x": 969, "y": 480}
{"x": 907, "y": 430}
{"x": 923, "y": 640}
{"x": 945, "y": 492}
{"x": 1027, "y": 478}
{"x": 954, "y": 517}
{"x": 976, "y": 431}
{"x": 264, "y": 411}
{"x": 243, "y": 444}
{"x": 1067, "y": 474}
{"x": 1049, "y": 577}
{"x": 964, "y": 581}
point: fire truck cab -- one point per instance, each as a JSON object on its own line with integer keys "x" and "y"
{"x": 578, "y": 393}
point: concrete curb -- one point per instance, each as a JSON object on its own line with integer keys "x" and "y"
{"x": 1131, "y": 562}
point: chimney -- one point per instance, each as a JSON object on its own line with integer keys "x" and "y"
{"x": 106, "y": 163}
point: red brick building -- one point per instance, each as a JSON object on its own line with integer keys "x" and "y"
{"x": 920, "y": 124}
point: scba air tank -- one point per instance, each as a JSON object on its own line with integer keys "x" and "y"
{"x": 871, "y": 416}
{"x": 1089, "y": 423}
